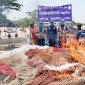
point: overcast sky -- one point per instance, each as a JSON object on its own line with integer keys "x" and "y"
{"x": 78, "y": 8}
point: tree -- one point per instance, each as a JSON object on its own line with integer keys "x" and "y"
{"x": 6, "y": 5}
{"x": 22, "y": 22}
{"x": 9, "y": 4}
{"x": 3, "y": 18}
{"x": 33, "y": 16}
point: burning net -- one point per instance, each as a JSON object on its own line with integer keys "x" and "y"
{"x": 55, "y": 67}
{"x": 59, "y": 66}
{"x": 51, "y": 66}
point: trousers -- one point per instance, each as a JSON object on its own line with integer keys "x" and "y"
{"x": 34, "y": 42}
{"x": 52, "y": 42}
{"x": 41, "y": 42}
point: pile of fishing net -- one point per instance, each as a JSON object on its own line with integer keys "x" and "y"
{"x": 6, "y": 72}
{"x": 24, "y": 73}
{"x": 48, "y": 66}
{"x": 56, "y": 67}
{"x": 17, "y": 60}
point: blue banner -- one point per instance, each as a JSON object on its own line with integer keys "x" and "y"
{"x": 55, "y": 13}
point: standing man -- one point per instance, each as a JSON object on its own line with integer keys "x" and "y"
{"x": 78, "y": 34}
{"x": 16, "y": 35}
{"x": 41, "y": 35}
{"x": 9, "y": 37}
{"x": 0, "y": 33}
{"x": 52, "y": 34}
{"x": 33, "y": 34}
{"x": 66, "y": 27}
{"x": 46, "y": 40}
{"x": 62, "y": 23}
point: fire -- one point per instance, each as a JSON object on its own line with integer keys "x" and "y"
{"x": 56, "y": 66}
{"x": 64, "y": 71}
{"x": 78, "y": 48}
{"x": 73, "y": 43}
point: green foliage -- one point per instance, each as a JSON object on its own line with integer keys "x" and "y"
{"x": 22, "y": 22}
{"x": 9, "y": 4}
{"x": 6, "y": 5}
{"x": 33, "y": 16}
{"x": 3, "y": 18}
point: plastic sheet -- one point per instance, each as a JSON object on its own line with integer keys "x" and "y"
{"x": 21, "y": 49}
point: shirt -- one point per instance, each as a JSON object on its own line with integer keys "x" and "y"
{"x": 33, "y": 32}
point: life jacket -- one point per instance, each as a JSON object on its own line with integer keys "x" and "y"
{"x": 52, "y": 28}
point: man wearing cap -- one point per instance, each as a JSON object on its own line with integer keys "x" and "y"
{"x": 41, "y": 35}
{"x": 52, "y": 34}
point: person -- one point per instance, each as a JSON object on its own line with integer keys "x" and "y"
{"x": 9, "y": 35}
{"x": 62, "y": 23}
{"x": 33, "y": 33}
{"x": 16, "y": 35}
{"x": 78, "y": 33}
{"x": 46, "y": 40}
{"x": 41, "y": 35}
{"x": 52, "y": 34}
{"x": 25, "y": 29}
{"x": 59, "y": 27}
{"x": 66, "y": 27}
{"x": 0, "y": 31}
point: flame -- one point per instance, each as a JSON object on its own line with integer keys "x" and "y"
{"x": 75, "y": 46}
{"x": 66, "y": 69}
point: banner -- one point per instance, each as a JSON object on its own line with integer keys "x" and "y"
{"x": 55, "y": 13}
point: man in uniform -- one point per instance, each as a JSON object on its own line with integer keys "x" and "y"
{"x": 41, "y": 35}
{"x": 52, "y": 34}
{"x": 62, "y": 23}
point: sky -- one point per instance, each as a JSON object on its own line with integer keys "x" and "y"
{"x": 78, "y": 7}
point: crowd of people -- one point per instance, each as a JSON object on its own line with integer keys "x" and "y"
{"x": 47, "y": 36}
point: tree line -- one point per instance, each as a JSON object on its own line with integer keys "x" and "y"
{"x": 25, "y": 22}
{"x": 7, "y": 5}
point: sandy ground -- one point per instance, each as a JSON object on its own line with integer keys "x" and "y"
{"x": 20, "y": 34}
